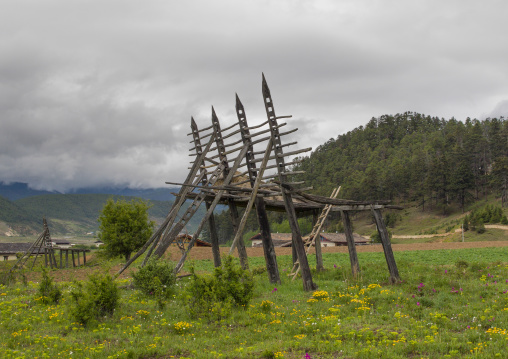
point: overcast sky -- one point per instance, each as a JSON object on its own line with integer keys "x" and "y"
{"x": 101, "y": 92}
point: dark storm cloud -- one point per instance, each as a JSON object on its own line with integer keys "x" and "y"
{"x": 95, "y": 92}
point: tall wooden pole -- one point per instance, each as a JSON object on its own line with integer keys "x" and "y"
{"x": 308, "y": 284}
{"x": 233, "y": 211}
{"x": 211, "y": 221}
{"x": 264, "y": 225}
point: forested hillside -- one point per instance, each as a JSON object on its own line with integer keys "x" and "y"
{"x": 413, "y": 157}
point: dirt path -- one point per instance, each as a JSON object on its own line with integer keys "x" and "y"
{"x": 458, "y": 230}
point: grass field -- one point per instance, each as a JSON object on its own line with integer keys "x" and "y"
{"x": 450, "y": 303}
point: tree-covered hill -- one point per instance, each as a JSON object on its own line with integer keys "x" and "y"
{"x": 413, "y": 157}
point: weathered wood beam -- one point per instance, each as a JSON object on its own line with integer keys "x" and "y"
{"x": 351, "y": 246}
{"x": 364, "y": 207}
{"x": 211, "y": 221}
{"x": 216, "y": 200}
{"x": 387, "y": 246}
{"x": 255, "y": 189}
{"x": 170, "y": 218}
{"x": 202, "y": 130}
{"x": 308, "y": 284}
{"x": 233, "y": 211}
{"x": 327, "y": 200}
{"x": 287, "y": 154}
{"x": 264, "y": 225}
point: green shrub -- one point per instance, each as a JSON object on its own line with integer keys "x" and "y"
{"x": 480, "y": 227}
{"x": 213, "y": 297}
{"x": 391, "y": 219}
{"x": 465, "y": 223}
{"x": 8, "y": 278}
{"x": 376, "y": 238}
{"x": 258, "y": 270}
{"x": 155, "y": 276}
{"x": 48, "y": 290}
{"x": 487, "y": 214}
{"x": 97, "y": 298}
{"x": 156, "y": 279}
{"x": 461, "y": 264}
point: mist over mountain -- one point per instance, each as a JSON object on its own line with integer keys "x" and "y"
{"x": 19, "y": 190}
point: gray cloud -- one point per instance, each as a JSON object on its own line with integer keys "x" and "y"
{"x": 95, "y": 92}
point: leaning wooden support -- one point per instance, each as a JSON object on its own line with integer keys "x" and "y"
{"x": 314, "y": 237}
{"x": 239, "y": 232}
{"x": 264, "y": 225}
{"x": 170, "y": 218}
{"x": 233, "y": 210}
{"x": 387, "y": 246}
{"x": 218, "y": 196}
{"x": 308, "y": 284}
{"x": 211, "y": 221}
{"x": 169, "y": 236}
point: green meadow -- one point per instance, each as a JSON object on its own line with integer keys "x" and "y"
{"x": 450, "y": 304}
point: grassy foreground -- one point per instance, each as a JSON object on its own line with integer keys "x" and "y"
{"x": 450, "y": 304}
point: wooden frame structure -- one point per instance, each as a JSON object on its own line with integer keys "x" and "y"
{"x": 44, "y": 246}
{"x": 235, "y": 176}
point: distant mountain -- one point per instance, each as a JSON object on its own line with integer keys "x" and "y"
{"x": 70, "y": 214}
{"x": 18, "y": 218}
{"x": 17, "y": 190}
{"x": 155, "y": 194}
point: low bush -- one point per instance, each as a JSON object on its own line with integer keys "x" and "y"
{"x": 156, "y": 279}
{"x": 213, "y": 297}
{"x": 376, "y": 238}
{"x": 96, "y": 298}
{"x": 155, "y": 276}
{"x": 49, "y": 291}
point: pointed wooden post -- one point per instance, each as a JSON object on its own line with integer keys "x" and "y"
{"x": 308, "y": 284}
{"x": 216, "y": 200}
{"x": 387, "y": 246}
{"x": 264, "y": 225}
{"x": 351, "y": 246}
{"x": 66, "y": 258}
{"x": 73, "y": 262}
{"x": 221, "y": 149}
{"x": 211, "y": 221}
